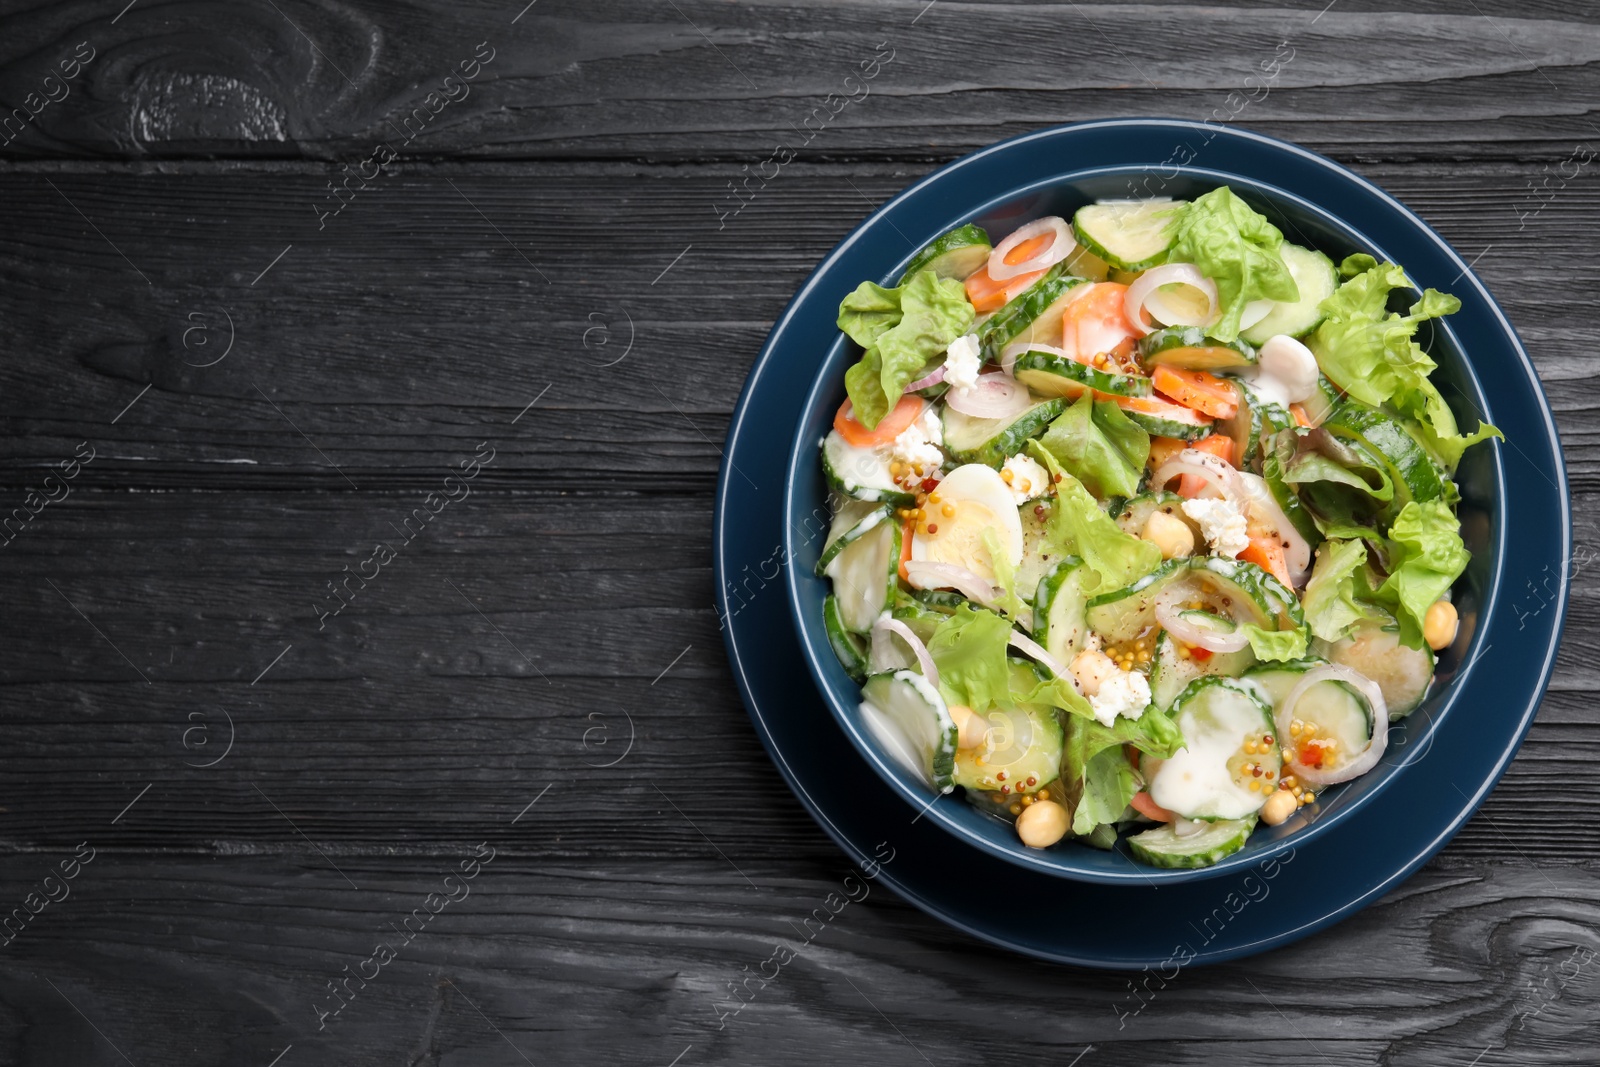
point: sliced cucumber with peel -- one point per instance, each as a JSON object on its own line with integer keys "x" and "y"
{"x": 1128, "y": 234}
{"x": 906, "y": 714}
{"x": 1188, "y": 348}
{"x": 1314, "y": 275}
{"x": 1225, "y": 584}
{"x": 1058, "y": 610}
{"x": 1053, "y": 375}
{"x": 1276, "y": 679}
{"x": 1171, "y": 672}
{"x": 1016, "y": 318}
{"x": 854, "y": 518}
{"x": 993, "y": 441}
{"x": 958, "y": 254}
{"x": 1215, "y": 841}
{"x": 861, "y": 473}
{"x": 864, "y": 574}
{"x": 1211, "y": 776}
{"x": 1040, "y": 555}
{"x": 1023, "y": 744}
{"x": 1162, "y": 418}
{"x": 850, "y": 648}
{"x": 1252, "y": 423}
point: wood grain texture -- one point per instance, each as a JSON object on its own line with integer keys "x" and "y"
{"x": 545, "y": 271}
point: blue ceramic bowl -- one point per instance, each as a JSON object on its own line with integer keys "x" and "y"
{"x": 1053, "y": 172}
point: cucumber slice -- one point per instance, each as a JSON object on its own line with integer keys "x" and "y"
{"x": 1211, "y": 775}
{"x": 1162, "y": 847}
{"x": 1058, "y": 610}
{"x": 1338, "y": 719}
{"x": 1021, "y": 752}
{"x": 905, "y": 712}
{"x": 1171, "y": 671}
{"x": 854, "y": 518}
{"x": 1128, "y": 234}
{"x": 1166, "y": 419}
{"x": 850, "y": 648}
{"x": 958, "y": 254}
{"x": 993, "y": 441}
{"x": 1189, "y": 348}
{"x": 1224, "y": 584}
{"x": 1135, "y": 512}
{"x": 1040, "y": 556}
{"x": 1416, "y": 474}
{"x": 861, "y": 473}
{"x": 1040, "y": 302}
{"x": 864, "y": 575}
{"x": 944, "y": 601}
{"x": 922, "y": 619}
{"x": 1402, "y": 674}
{"x": 1322, "y": 403}
{"x": 1051, "y": 375}
{"x": 1315, "y": 276}
{"x": 1276, "y": 679}
{"x": 1255, "y": 419}
{"x": 1274, "y": 453}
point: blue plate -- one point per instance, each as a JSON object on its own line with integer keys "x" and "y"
{"x": 1452, "y": 758}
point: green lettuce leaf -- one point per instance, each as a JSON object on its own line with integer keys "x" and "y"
{"x": 1078, "y": 526}
{"x": 1330, "y": 604}
{"x": 969, "y": 648}
{"x": 1100, "y": 446}
{"x": 1004, "y": 574}
{"x": 1096, "y": 776}
{"x": 1426, "y": 556}
{"x": 1372, "y": 354}
{"x": 902, "y": 330}
{"x": 1237, "y": 248}
{"x": 1278, "y": 646}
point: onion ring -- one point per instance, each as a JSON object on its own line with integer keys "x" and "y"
{"x": 1368, "y": 757}
{"x": 1060, "y": 248}
{"x": 994, "y": 396}
{"x": 1145, "y": 287}
{"x": 879, "y": 653}
{"x": 925, "y": 574}
{"x": 932, "y": 379}
{"x": 1028, "y": 646}
{"x": 1216, "y": 472}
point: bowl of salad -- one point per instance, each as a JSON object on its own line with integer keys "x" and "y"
{"x": 1139, "y": 530}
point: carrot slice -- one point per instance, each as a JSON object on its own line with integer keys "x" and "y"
{"x": 1026, "y": 250}
{"x": 889, "y": 427}
{"x": 1300, "y": 414}
{"x": 1267, "y": 553}
{"x": 1206, "y": 393}
{"x": 1094, "y": 323}
{"x": 1146, "y": 806}
{"x": 986, "y": 294}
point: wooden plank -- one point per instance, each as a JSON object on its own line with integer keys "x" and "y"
{"x": 228, "y": 961}
{"x": 631, "y": 79}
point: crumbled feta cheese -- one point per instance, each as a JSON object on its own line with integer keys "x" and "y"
{"x": 1222, "y": 524}
{"x": 1125, "y": 693}
{"x": 918, "y": 444}
{"x": 962, "y": 363}
{"x": 1028, "y": 480}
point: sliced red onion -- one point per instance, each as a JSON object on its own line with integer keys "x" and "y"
{"x": 1254, "y": 312}
{"x": 1169, "y": 613}
{"x": 1028, "y": 646}
{"x": 925, "y": 574}
{"x": 881, "y": 656}
{"x": 1296, "y": 549}
{"x": 1216, "y": 472}
{"x": 1368, "y": 758}
{"x": 1049, "y": 256}
{"x": 933, "y": 379}
{"x": 994, "y": 396}
{"x": 1144, "y": 294}
{"x": 1013, "y": 352}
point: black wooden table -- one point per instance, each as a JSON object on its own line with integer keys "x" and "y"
{"x": 365, "y": 372}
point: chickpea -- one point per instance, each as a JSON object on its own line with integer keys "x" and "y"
{"x": 1168, "y": 533}
{"x": 1092, "y": 667}
{"x": 1042, "y": 824}
{"x": 1279, "y": 806}
{"x": 1439, "y": 625}
{"x": 971, "y": 727}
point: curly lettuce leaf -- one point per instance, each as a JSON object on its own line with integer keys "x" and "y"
{"x": 1329, "y": 602}
{"x": 1078, "y": 527}
{"x": 1279, "y": 646}
{"x": 1099, "y": 445}
{"x": 1004, "y": 574}
{"x": 1372, "y": 354}
{"x": 902, "y": 330}
{"x": 1426, "y": 556}
{"x": 970, "y": 648}
{"x": 1237, "y": 248}
{"x": 1096, "y": 775}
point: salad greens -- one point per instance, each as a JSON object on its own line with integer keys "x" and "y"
{"x": 1166, "y": 534}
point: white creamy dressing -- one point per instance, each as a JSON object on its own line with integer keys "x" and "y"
{"x": 1196, "y": 781}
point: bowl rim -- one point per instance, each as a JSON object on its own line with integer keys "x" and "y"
{"x": 817, "y": 653}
